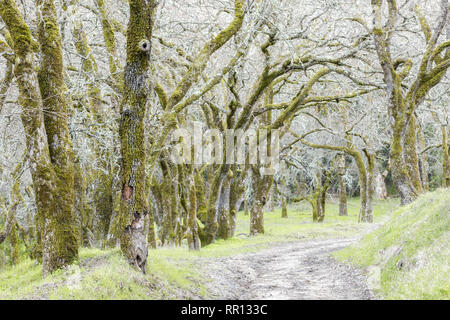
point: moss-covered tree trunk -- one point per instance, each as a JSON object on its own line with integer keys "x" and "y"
{"x": 133, "y": 206}
{"x": 341, "y": 168}
{"x": 47, "y": 136}
{"x": 423, "y": 160}
{"x": 223, "y": 218}
{"x": 446, "y": 157}
{"x": 211, "y": 224}
{"x": 192, "y": 230}
{"x": 246, "y": 207}
{"x": 60, "y": 245}
{"x": 284, "y": 213}
{"x": 261, "y": 185}
{"x": 411, "y": 156}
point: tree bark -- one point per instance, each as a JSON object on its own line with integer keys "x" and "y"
{"x": 133, "y": 109}
{"x": 262, "y": 185}
{"x": 342, "y": 185}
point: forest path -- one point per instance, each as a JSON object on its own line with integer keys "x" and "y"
{"x": 294, "y": 270}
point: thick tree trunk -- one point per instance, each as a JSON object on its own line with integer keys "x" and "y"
{"x": 133, "y": 241}
{"x": 211, "y": 225}
{"x": 446, "y": 157}
{"x": 411, "y": 155}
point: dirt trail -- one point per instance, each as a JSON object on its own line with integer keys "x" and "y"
{"x": 295, "y": 270}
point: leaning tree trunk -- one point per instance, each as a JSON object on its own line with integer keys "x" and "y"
{"x": 133, "y": 241}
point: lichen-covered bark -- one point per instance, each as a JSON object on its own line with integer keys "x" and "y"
{"x": 60, "y": 245}
{"x": 133, "y": 109}
{"x": 446, "y": 157}
{"x": 411, "y": 155}
{"x": 110, "y": 43}
{"x": 423, "y": 160}
{"x": 192, "y": 230}
{"x": 211, "y": 224}
{"x": 246, "y": 207}
{"x": 341, "y": 168}
{"x": 284, "y": 213}
{"x": 261, "y": 185}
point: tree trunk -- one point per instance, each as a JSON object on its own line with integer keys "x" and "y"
{"x": 48, "y": 142}
{"x": 246, "y": 207}
{"x": 411, "y": 156}
{"x": 211, "y": 225}
{"x": 284, "y": 213}
{"x": 342, "y": 185}
{"x": 224, "y": 227}
{"x": 133, "y": 109}
{"x": 446, "y": 157}
{"x": 423, "y": 160}
{"x": 262, "y": 185}
{"x": 192, "y": 232}
{"x": 400, "y": 175}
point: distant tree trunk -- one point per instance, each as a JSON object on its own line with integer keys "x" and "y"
{"x": 380, "y": 186}
{"x": 192, "y": 231}
{"x": 246, "y": 207}
{"x": 368, "y": 217}
{"x": 423, "y": 160}
{"x": 262, "y": 185}
{"x": 270, "y": 201}
{"x": 133, "y": 241}
{"x": 342, "y": 185}
{"x": 446, "y": 157}
{"x": 236, "y": 194}
{"x": 411, "y": 156}
{"x": 151, "y": 229}
{"x": 224, "y": 228}
{"x": 284, "y": 213}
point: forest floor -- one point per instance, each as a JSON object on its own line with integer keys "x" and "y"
{"x": 292, "y": 260}
{"x": 404, "y": 254}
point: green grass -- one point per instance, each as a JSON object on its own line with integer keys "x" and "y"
{"x": 173, "y": 272}
{"x": 408, "y": 257}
